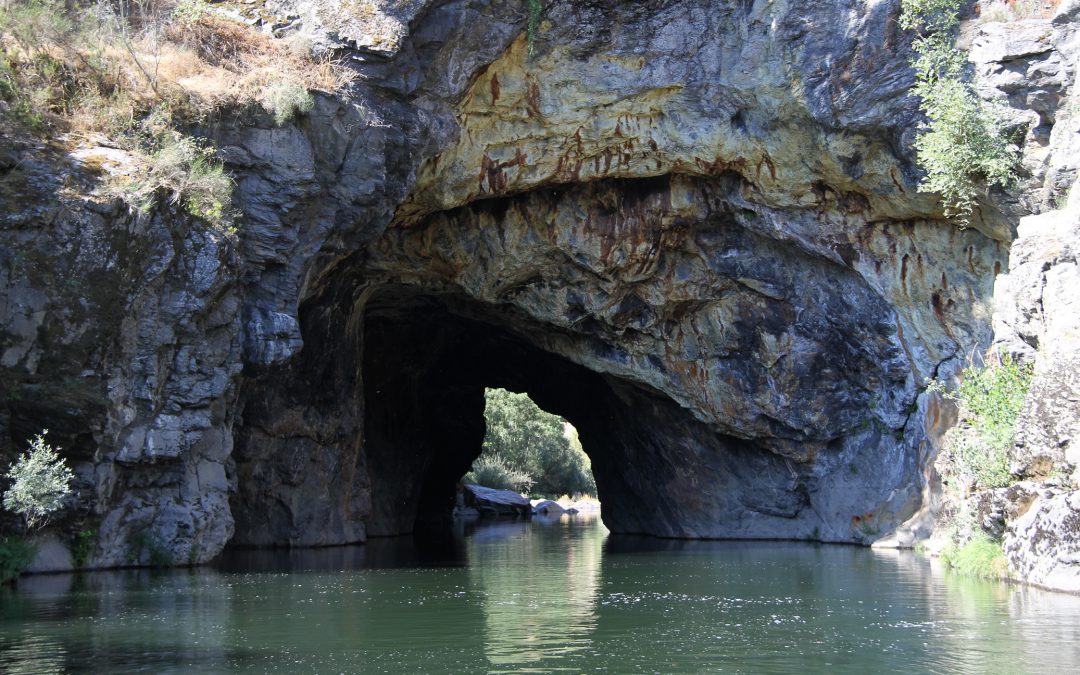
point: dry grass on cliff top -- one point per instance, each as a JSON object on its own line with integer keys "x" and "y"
{"x": 98, "y": 67}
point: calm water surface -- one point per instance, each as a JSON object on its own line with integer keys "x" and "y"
{"x": 540, "y": 597}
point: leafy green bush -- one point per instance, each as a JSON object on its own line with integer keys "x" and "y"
{"x": 987, "y": 465}
{"x": 40, "y": 483}
{"x": 533, "y": 444}
{"x": 493, "y": 472}
{"x": 284, "y": 100}
{"x": 16, "y": 554}
{"x": 990, "y": 399}
{"x": 980, "y": 557}
{"x": 963, "y": 147}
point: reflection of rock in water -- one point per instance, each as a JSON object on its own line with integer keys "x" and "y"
{"x": 539, "y": 581}
{"x": 194, "y": 603}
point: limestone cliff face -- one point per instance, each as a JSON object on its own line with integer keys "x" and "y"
{"x": 690, "y": 227}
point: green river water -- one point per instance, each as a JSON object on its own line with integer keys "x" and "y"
{"x": 540, "y": 597}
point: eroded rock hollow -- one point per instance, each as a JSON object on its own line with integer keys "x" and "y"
{"x": 690, "y": 227}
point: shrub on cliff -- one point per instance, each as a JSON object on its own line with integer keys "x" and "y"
{"x": 962, "y": 147}
{"x": 284, "y": 100}
{"x": 185, "y": 171}
{"x": 40, "y": 483}
{"x": 990, "y": 398}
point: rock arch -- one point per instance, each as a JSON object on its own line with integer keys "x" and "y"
{"x": 726, "y": 381}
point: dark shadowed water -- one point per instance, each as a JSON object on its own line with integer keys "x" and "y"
{"x": 540, "y": 597}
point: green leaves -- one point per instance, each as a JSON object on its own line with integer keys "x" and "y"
{"x": 990, "y": 400}
{"x": 962, "y": 148}
{"x": 931, "y": 16}
{"x": 980, "y": 557}
{"x": 526, "y": 447}
{"x": 16, "y": 554}
{"x": 41, "y": 482}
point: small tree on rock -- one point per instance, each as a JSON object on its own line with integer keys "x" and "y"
{"x": 41, "y": 482}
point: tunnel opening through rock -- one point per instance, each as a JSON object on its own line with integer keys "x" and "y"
{"x": 739, "y": 414}
{"x": 427, "y": 359}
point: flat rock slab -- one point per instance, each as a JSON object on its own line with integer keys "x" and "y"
{"x": 496, "y": 502}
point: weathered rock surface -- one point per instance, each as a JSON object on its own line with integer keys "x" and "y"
{"x": 1043, "y": 545}
{"x": 496, "y": 502}
{"x": 691, "y": 227}
{"x": 121, "y": 335}
{"x": 546, "y": 507}
{"x": 1029, "y": 67}
{"x": 1037, "y": 318}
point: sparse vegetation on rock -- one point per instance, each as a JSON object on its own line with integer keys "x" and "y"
{"x": 980, "y": 557}
{"x": 962, "y": 147}
{"x": 141, "y": 73}
{"x": 990, "y": 398}
{"x": 285, "y": 100}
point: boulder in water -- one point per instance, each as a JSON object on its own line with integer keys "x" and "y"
{"x": 546, "y": 507}
{"x": 489, "y": 501}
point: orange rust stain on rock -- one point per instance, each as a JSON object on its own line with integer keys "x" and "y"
{"x": 495, "y": 90}
{"x": 493, "y": 172}
{"x": 719, "y": 165}
{"x": 632, "y": 224}
{"x": 892, "y": 176}
{"x": 767, "y": 161}
{"x": 938, "y": 305}
{"x": 532, "y": 99}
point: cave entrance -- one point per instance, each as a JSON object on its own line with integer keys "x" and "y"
{"x": 431, "y": 365}
{"x": 427, "y": 359}
{"x": 370, "y": 430}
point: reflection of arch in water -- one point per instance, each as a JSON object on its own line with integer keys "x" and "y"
{"x": 540, "y": 584}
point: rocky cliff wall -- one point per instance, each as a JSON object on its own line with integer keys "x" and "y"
{"x": 690, "y": 227}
